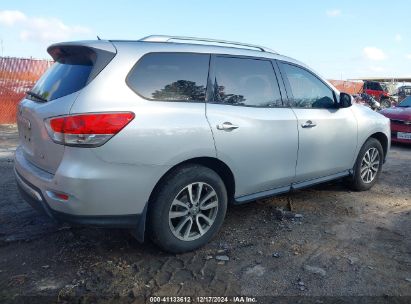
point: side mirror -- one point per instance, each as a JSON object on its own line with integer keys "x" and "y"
{"x": 345, "y": 100}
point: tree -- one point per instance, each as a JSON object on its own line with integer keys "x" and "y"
{"x": 181, "y": 90}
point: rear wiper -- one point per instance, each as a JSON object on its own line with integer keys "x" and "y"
{"x": 37, "y": 96}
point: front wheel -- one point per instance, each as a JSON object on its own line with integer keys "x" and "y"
{"x": 188, "y": 209}
{"x": 368, "y": 166}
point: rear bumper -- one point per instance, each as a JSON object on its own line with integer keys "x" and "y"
{"x": 94, "y": 187}
{"x": 33, "y": 196}
{"x": 100, "y": 193}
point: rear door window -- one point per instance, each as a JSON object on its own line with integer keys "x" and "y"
{"x": 246, "y": 82}
{"x": 171, "y": 77}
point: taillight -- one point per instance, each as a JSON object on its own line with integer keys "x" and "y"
{"x": 62, "y": 196}
{"x": 87, "y": 130}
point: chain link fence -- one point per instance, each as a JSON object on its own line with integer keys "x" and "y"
{"x": 17, "y": 76}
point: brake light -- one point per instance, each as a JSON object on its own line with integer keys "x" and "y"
{"x": 89, "y": 130}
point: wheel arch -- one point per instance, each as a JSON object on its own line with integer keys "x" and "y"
{"x": 383, "y": 139}
{"x": 221, "y": 168}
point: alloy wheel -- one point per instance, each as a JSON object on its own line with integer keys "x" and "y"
{"x": 370, "y": 165}
{"x": 193, "y": 211}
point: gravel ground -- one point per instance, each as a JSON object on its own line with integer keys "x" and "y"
{"x": 327, "y": 241}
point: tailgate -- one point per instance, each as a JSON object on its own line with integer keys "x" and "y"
{"x": 77, "y": 64}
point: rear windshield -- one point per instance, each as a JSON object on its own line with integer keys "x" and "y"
{"x": 70, "y": 73}
{"x": 62, "y": 79}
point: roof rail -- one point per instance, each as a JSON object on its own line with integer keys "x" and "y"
{"x": 164, "y": 38}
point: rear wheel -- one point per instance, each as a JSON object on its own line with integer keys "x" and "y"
{"x": 188, "y": 210}
{"x": 368, "y": 166}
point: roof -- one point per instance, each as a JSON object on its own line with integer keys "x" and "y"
{"x": 161, "y": 43}
{"x": 198, "y": 48}
{"x": 164, "y": 38}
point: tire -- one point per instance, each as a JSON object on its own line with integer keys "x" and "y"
{"x": 385, "y": 103}
{"x": 362, "y": 181}
{"x": 166, "y": 214}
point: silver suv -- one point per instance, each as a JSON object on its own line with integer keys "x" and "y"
{"x": 159, "y": 135}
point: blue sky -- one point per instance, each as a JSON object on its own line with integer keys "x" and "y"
{"x": 339, "y": 39}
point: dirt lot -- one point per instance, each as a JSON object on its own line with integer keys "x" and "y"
{"x": 344, "y": 244}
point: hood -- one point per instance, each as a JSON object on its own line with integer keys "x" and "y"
{"x": 400, "y": 113}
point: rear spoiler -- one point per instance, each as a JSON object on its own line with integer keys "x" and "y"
{"x": 97, "y": 53}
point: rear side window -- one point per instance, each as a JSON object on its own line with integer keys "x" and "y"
{"x": 246, "y": 82}
{"x": 308, "y": 91}
{"x": 70, "y": 73}
{"x": 171, "y": 76}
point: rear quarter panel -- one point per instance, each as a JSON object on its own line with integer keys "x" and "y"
{"x": 162, "y": 133}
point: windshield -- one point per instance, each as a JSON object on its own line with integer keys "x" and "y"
{"x": 405, "y": 102}
{"x": 406, "y": 91}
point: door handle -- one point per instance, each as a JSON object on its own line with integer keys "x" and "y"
{"x": 227, "y": 126}
{"x": 308, "y": 124}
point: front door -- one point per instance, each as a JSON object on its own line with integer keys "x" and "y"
{"x": 327, "y": 134}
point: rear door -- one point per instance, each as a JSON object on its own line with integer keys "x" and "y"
{"x": 53, "y": 95}
{"x": 327, "y": 134}
{"x": 253, "y": 132}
